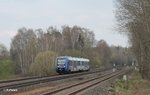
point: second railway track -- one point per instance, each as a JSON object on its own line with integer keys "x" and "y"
{"x": 14, "y": 84}
{"x": 81, "y": 86}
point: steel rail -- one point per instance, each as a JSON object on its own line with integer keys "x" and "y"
{"x": 32, "y": 81}
{"x": 108, "y": 76}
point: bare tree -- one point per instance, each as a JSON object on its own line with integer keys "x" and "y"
{"x": 134, "y": 18}
{"x": 104, "y": 52}
{"x": 23, "y": 48}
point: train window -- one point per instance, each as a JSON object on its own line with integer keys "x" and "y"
{"x": 85, "y": 63}
{"x": 60, "y": 61}
{"x": 78, "y": 62}
{"x": 82, "y": 63}
{"x": 70, "y": 63}
{"x": 73, "y": 63}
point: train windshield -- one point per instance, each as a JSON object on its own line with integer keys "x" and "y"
{"x": 60, "y": 61}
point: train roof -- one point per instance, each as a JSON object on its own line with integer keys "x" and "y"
{"x": 74, "y": 58}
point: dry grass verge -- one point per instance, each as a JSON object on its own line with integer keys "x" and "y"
{"x": 134, "y": 86}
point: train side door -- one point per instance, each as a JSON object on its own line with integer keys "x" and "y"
{"x": 75, "y": 65}
{"x": 70, "y": 65}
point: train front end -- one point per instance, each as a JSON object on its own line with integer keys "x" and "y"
{"x": 61, "y": 65}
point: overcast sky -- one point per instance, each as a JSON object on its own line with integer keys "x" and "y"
{"x": 96, "y": 15}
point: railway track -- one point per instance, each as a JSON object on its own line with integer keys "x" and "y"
{"x": 35, "y": 77}
{"x": 21, "y": 79}
{"x": 18, "y": 83}
{"x": 81, "y": 86}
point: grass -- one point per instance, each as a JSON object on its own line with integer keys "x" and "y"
{"x": 6, "y": 69}
{"x": 134, "y": 86}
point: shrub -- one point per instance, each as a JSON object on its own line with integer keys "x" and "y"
{"x": 6, "y": 69}
{"x": 44, "y": 64}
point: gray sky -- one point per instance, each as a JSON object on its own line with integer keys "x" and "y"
{"x": 96, "y": 15}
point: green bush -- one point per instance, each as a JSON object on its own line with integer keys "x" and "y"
{"x": 6, "y": 69}
{"x": 44, "y": 64}
{"x": 122, "y": 86}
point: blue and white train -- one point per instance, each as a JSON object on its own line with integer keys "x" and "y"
{"x": 68, "y": 64}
